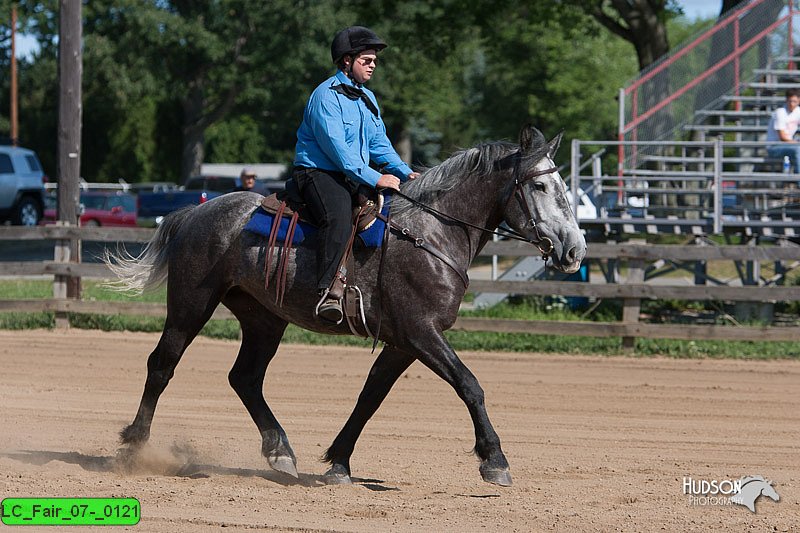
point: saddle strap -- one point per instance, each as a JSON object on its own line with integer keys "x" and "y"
{"x": 340, "y": 279}
{"x": 285, "y": 255}
{"x": 273, "y": 236}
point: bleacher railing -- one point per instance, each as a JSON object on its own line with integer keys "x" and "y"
{"x": 718, "y": 61}
{"x": 694, "y": 187}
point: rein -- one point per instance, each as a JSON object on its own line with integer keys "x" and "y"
{"x": 543, "y": 244}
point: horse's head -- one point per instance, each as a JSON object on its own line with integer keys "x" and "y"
{"x": 769, "y": 491}
{"x": 536, "y": 202}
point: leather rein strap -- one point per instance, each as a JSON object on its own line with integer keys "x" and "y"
{"x": 544, "y": 244}
{"x": 419, "y": 242}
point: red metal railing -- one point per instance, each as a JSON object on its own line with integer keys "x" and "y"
{"x": 659, "y": 78}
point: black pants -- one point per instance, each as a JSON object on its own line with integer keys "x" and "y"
{"x": 329, "y": 197}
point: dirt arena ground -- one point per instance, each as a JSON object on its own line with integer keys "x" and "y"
{"x": 595, "y": 443}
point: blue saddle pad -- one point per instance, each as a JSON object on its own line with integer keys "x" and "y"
{"x": 261, "y": 224}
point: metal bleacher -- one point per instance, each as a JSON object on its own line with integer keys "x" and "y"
{"x": 691, "y": 154}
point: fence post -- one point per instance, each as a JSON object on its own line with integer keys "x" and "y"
{"x": 575, "y": 174}
{"x": 718, "y": 185}
{"x": 790, "y": 35}
{"x": 700, "y": 266}
{"x": 621, "y": 152}
{"x": 61, "y": 254}
{"x": 631, "y": 307}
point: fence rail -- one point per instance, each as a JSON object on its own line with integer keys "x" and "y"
{"x": 631, "y": 292}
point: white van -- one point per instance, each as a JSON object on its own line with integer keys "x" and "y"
{"x": 21, "y": 186}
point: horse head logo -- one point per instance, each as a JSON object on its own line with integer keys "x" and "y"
{"x": 752, "y": 488}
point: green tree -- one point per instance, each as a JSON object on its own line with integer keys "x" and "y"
{"x": 169, "y": 84}
{"x": 643, "y": 23}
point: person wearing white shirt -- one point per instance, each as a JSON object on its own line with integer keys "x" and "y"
{"x": 782, "y": 127}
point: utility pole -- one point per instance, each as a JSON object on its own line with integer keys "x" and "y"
{"x": 70, "y": 67}
{"x": 14, "y": 120}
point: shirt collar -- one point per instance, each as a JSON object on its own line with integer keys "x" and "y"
{"x": 342, "y": 77}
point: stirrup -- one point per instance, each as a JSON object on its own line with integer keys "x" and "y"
{"x": 329, "y": 309}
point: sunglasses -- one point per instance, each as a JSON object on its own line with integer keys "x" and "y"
{"x": 367, "y": 61}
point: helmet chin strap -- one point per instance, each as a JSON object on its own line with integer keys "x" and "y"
{"x": 349, "y": 71}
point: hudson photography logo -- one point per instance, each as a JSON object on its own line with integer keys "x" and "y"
{"x": 744, "y": 491}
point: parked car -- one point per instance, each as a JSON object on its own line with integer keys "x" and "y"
{"x": 152, "y": 186}
{"x": 21, "y": 186}
{"x": 100, "y": 208}
{"x": 198, "y": 190}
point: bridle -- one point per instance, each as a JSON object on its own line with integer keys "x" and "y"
{"x": 543, "y": 244}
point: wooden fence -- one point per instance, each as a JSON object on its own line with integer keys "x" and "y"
{"x": 632, "y": 291}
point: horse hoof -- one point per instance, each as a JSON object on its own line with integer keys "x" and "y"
{"x": 497, "y": 476}
{"x": 337, "y": 475}
{"x": 283, "y": 463}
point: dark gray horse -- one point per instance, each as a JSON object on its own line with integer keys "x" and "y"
{"x": 209, "y": 260}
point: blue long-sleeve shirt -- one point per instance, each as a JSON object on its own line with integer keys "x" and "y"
{"x": 342, "y": 135}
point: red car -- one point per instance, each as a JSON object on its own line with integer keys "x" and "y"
{"x": 100, "y": 209}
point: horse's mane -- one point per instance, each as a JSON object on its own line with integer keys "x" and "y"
{"x": 462, "y": 165}
{"x": 749, "y": 479}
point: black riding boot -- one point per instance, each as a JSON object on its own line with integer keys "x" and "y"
{"x": 329, "y": 308}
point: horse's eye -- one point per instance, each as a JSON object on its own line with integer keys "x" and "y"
{"x": 539, "y": 186}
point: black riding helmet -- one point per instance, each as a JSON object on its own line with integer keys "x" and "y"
{"x": 354, "y": 40}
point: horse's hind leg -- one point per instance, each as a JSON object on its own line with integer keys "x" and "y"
{"x": 390, "y": 365}
{"x": 182, "y": 325}
{"x": 261, "y": 335}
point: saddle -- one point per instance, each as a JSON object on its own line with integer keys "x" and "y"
{"x": 368, "y": 204}
{"x": 289, "y": 203}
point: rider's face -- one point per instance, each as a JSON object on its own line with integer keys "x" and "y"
{"x": 363, "y": 66}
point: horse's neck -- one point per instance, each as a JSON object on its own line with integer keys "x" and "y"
{"x": 476, "y": 203}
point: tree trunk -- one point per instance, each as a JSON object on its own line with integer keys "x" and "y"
{"x": 640, "y": 22}
{"x": 649, "y": 38}
{"x": 727, "y": 5}
{"x": 403, "y": 146}
{"x": 193, "y": 151}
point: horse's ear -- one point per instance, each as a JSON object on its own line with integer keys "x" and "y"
{"x": 526, "y": 138}
{"x": 554, "y": 144}
{"x": 529, "y": 137}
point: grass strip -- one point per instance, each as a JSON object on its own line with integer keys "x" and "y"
{"x": 526, "y": 308}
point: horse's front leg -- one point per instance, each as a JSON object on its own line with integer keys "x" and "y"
{"x": 390, "y": 365}
{"x": 437, "y": 354}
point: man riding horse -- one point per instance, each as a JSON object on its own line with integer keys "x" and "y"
{"x": 341, "y": 133}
